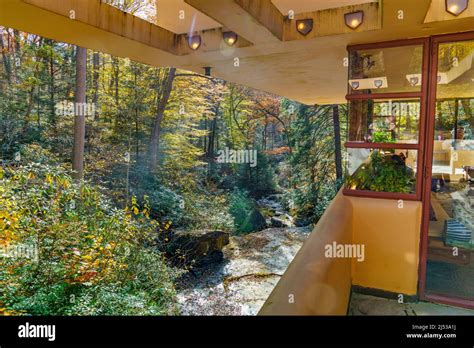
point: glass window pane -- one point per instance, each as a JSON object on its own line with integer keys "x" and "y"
{"x": 384, "y": 121}
{"x": 451, "y": 219}
{"x": 456, "y": 70}
{"x": 386, "y": 70}
{"x": 382, "y": 170}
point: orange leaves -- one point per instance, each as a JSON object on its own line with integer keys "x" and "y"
{"x": 86, "y": 266}
{"x": 86, "y": 277}
{"x": 92, "y": 260}
{"x": 87, "y": 243}
{"x": 8, "y": 312}
{"x": 278, "y": 151}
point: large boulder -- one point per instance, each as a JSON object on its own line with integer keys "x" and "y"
{"x": 198, "y": 247}
{"x": 302, "y": 221}
{"x": 254, "y": 222}
{"x": 281, "y": 221}
{"x": 240, "y": 286}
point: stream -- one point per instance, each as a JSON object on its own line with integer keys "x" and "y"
{"x": 252, "y": 266}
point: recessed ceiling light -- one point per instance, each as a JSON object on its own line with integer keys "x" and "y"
{"x": 230, "y": 37}
{"x": 304, "y": 26}
{"x": 194, "y": 42}
{"x": 354, "y": 19}
{"x": 456, "y": 7}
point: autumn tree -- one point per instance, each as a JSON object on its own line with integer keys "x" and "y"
{"x": 80, "y": 118}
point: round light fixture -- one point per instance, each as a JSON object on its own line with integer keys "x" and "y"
{"x": 194, "y": 42}
{"x": 230, "y": 38}
{"x": 304, "y": 26}
{"x": 354, "y": 19}
{"x": 414, "y": 81}
{"x": 456, "y": 7}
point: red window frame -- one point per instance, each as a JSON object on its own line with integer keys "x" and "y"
{"x": 422, "y": 95}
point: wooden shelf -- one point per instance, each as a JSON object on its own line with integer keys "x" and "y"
{"x": 438, "y": 251}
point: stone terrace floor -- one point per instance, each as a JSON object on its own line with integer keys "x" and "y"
{"x": 371, "y": 305}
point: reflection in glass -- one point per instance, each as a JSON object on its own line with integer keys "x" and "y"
{"x": 455, "y": 70}
{"x": 450, "y": 267}
{"x": 386, "y": 70}
{"x": 384, "y": 121}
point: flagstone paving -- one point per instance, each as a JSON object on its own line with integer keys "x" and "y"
{"x": 371, "y": 305}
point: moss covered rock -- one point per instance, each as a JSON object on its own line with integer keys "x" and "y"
{"x": 254, "y": 222}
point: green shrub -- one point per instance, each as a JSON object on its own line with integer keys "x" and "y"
{"x": 91, "y": 257}
{"x": 247, "y": 218}
{"x": 383, "y": 173}
{"x": 240, "y": 207}
{"x": 164, "y": 202}
{"x": 259, "y": 180}
{"x": 206, "y": 210}
{"x": 382, "y": 137}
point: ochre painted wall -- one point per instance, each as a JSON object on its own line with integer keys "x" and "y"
{"x": 391, "y": 235}
{"x": 318, "y": 285}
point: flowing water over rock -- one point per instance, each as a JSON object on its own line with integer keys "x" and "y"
{"x": 240, "y": 284}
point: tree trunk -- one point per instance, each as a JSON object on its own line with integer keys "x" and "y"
{"x": 5, "y": 58}
{"x": 204, "y": 139}
{"x": 79, "y": 120}
{"x": 212, "y": 134}
{"x": 31, "y": 95}
{"x": 52, "y": 90}
{"x": 468, "y": 111}
{"x": 115, "y": 63}
{"x": 337, "y": 141}
{"x": 95, "y": 79}
{"x": 162, "y": 101}
{"x": 264, "y": 135}
{"x": 137, "y": 113}
{"x": 17, "y": 54}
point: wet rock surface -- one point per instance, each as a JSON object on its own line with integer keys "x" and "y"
{"x": 278, "y": 216}
{"x": 240, "y": 284}
{"x": 281, "y": 221}
{"x": 272, "y": 203}
{"x": 199, "y": 247}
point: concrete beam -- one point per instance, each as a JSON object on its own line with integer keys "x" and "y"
{"x": 437, "y": 12}
{"x": 230, "y": 14}
{"x": 262, "y": 22}
{"x": 110, "y": 19}
{"x": 331, "y": 22}
{"x": 265, "y": 13}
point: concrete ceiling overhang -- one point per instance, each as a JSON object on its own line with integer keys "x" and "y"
{"x": 308, "y": 70}
{"x": 109, "y": 18}
{"x": 285, "y": 6}
{"x": 181, "y": 18}
{"x": 437, "y": 12}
